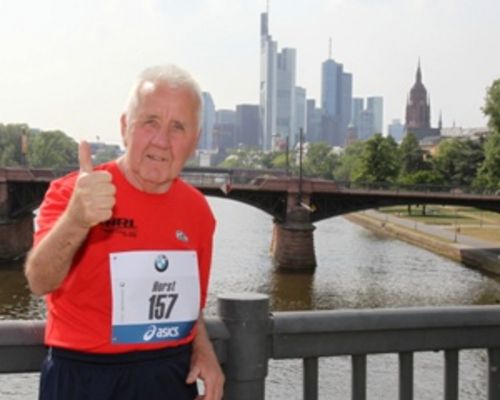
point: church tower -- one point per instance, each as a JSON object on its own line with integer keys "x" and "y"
{"x": 418, "y": 109}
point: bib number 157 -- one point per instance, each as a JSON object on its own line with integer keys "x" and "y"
{"x": 161, "y": 305}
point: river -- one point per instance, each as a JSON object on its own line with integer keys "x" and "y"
{"x": 356, "y": 269}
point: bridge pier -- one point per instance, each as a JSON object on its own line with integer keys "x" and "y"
{"x": 292, "y": 245}
{"x": 16, "y": 237}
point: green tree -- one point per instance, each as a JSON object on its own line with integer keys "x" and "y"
{"x": 488, "y": 175}
{"x": 489, "y": 172}
{"x": 492, "y": 106}
{"x": 458, "y": 161}
{"x": 379, "y": 160}
{"x": 243, "y": 158}
{"x": 320, "y": 160}
{"x": 348, "y": 162}
{"x": 279, "y": 160}
{"x": 10, "y": 144}
{"x": 53, "y": 149}
{"x": 411, "y": 155}
{"x": 422, "y": 177}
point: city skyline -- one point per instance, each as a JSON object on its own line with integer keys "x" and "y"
{"x": 69, "y": 66}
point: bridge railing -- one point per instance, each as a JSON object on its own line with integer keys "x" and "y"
{"x": 419, "y": 188}
{"x": 246, "y": 336}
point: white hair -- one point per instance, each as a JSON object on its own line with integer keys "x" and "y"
{"x": 170, "y": 75}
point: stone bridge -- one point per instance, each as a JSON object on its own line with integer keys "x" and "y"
{"x": 294, "y": 203}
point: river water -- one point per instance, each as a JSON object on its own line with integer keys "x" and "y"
{"x": 356, "y": 269}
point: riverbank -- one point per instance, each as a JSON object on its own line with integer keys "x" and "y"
{"x": 473, "y": 252}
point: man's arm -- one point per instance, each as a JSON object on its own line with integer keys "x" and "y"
{"x": 204, "y": 364}
{"x": 91, "y": 202}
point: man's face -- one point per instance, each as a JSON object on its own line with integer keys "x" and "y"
{"x": 159, "y": 136}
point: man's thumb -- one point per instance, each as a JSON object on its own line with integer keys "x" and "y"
{"x": 84, "y": 157}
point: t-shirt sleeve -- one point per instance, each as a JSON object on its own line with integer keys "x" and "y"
{"x": 54, "y": 203}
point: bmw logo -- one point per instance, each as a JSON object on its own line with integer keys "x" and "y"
{"x": 161, "y": 263}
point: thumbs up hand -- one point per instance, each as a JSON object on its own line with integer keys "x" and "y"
{"x": 93, "y": 197}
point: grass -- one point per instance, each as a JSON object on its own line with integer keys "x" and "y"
{"x": 471, "y": 221}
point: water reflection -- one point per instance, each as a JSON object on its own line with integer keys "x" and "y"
{"x": 292, "y": 291}
{"x": 356, "y": 269}
{"x": 16, "y": 301}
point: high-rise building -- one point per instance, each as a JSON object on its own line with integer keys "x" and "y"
{"x": 277, "y": 88}
{"x": 207, "y": 127}
{"x": 366, "y": 127}
{"x": 225, "y": 122}
{"x": 300, "y": 121}
{"x": 285, "y": 99}
{"x": 247, "y": 129}
{"x": 358, "y": 105}
{"x": 313, "y": 130}
{"x": 396, "y": 129}
{"x": 376, "y": 106}
{"x": 268, "y": 93}
{"x": 336, "y": 102}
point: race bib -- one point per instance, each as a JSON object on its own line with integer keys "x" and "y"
{"x": 156, "y": 295}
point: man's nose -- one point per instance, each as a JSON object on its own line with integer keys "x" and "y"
{"x": 162, "y": 137}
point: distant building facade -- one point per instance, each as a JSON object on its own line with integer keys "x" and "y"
{"x": 285, "y": 107}
{"x": 268, "y": 83}
{"x": 313, "y": 129}
{"x": 207, "y": 127}
{"x": 336, "y": 102}
{"x": 300, "y": 120}
{"x": 225, "y": 123}
{"x": 247, "y": 126}
{"x": 376, "y": 106}
{"x": 396, "y": 129}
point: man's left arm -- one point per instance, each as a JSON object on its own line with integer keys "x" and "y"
{"x": 204, "y": 364}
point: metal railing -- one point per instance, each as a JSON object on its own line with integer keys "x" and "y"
{"x": 246, "y": 336}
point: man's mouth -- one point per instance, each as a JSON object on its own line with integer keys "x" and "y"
{"x": 156, "y": 158}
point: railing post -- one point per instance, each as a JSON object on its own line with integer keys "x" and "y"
{"x": 494, "y": 373}
{"x": 246, "y": 316}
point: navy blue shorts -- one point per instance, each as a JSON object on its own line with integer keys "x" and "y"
{"x": 149, "y": 375}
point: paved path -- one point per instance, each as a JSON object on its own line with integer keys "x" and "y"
{"x": 448, "y": 234}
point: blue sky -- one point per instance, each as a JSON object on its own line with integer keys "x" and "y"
{"x": 68, "y": 64}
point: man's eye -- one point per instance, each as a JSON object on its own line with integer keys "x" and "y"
{"x": 178, "y": 125}
{"x": 152, "y": 122}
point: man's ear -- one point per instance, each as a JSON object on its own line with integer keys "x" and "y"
{"x": 123, "y": 128}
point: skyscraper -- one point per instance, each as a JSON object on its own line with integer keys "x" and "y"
{"x": 336, "y": 101}
{"x": 313, "y": 131}
{"x": 300, "y": 119}
{"x": 268, "y": 59}
{"x": 396, "y": 129}
{"x": 247, "y": 125}
{"x": 207, "y": 127}
{"x": 376, "y": 106}
{"x": 285, "y": 90}
{"x": 277, "y": 88}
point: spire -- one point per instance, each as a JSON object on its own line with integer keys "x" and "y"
{"x": 330, "y": 48}
{"x": 440, "y": 123}
{"x": 419, "y": 72}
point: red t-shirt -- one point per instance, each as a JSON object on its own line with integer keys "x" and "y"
{"x": 79, "y": 311}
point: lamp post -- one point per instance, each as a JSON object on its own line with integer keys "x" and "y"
{"x": 287, "y": 156}
{"x": 24, "y": 148}
{"x": 301, "y": 141}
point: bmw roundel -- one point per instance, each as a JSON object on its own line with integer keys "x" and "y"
{"x": 161, "y": 263}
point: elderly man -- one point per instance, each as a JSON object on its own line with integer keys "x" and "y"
{"x": 123, "y": 255}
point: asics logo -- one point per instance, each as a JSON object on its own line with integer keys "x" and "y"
{"x": 153, "y": 332}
